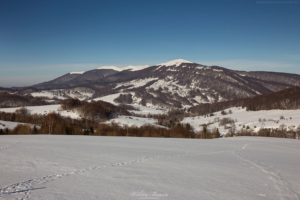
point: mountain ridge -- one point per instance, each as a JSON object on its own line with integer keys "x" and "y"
{"x": 175, "y": 84}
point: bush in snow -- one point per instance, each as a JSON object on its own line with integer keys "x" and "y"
{"x": 216, "y": 119}
{"x": 232, "y": 130}
{"x": 124, "y": 99}
{"x": 224, "y": 112}
{"x": 282, "y": 128}
{"x": 226, "y": 120}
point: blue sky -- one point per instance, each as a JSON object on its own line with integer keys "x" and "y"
{"x": 41, "y": 40}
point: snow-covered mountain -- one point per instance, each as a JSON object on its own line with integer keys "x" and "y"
{"x": 129, "y": 68}
{"x": 174, "y": 62}
{"x": 76, "y": 78}
{"x": 175, "y": 83}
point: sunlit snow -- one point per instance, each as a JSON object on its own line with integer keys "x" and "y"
{"x": 175, "y": 62}
{"x": 95, "y": 167}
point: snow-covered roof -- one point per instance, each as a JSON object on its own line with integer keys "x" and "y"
{"x": 175, "y": 62}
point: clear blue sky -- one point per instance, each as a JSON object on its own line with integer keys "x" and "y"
{"x": 41, "y": 40}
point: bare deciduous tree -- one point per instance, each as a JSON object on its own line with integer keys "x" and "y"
{"x": 232, "y": 130}
{"x": 49, "y": 121}
{"x": 282, "y": 128}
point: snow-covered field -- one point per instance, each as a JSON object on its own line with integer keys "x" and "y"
{"x": 249, "y": 118}
{"x": 86, "y": 167}
{"x": 9, "y": 125}
{"x": 64, "y": 94}
{"x": 46, "y": 94}
{"x": 136, "y": 121}
{"x": 45, "y": 110}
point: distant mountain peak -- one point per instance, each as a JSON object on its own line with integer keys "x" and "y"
{"x": 76, "y": 72}
{"x": 176, "y": 62}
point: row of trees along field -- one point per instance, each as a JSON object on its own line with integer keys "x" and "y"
{"x": 53, "y": 123}
{"x": 280, "y": 132}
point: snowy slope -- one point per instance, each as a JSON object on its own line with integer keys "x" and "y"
{"x": 131, "y": 68}
{"x": 136, "y": 83}
{"x": 134, "y": 121}
{"x": 176, "y": 62}
{"x": 44, "y": 110}
{"x": 46, "y": 94}
{"x": 77, "y": 72}
{"x": 135, "y": 68}
{"x": 143, "y": 109}
{"x": 9, "y": 125}
{"x": 111, "y": 67}
{"x": 78, "y": 93}
{"x": 84, "y": 167}
{"x": 249, "y": 118}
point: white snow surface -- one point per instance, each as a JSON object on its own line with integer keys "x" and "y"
{"x": 90, "y": 167}
{"x": 76, "y": 72}
{"x": 136, "y": 83}
{"x": 143, "y": 109}
{"x": 45, "y": 110}
{"x": 8, "y": 124}
{"x": 130, "y": 67}
{"x": 63, "y": 94}
{"x": 176, "y": 62}
{"x": 135, "y": 68}
{"x": 111, "y": 67}
{"x": 136, "y": 121}
{"x": 46, "y": 94}
{"x": 249, "y": 118}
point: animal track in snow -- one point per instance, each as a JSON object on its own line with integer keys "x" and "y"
{"x": 284, "y": 188}
{"x": 9, "y": 146}
{"x": 22, "y": 189}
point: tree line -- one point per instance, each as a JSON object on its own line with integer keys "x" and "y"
{"x": 14, "y": 100}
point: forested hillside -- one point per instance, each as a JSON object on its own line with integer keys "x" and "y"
{"x": 287, "y": 99}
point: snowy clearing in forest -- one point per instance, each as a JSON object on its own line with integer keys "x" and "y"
{"x": 94, "y": 167}
{"x": 269, "y": 119}
{"x": 134, "y": 121}
{"x": 143, "y": 109}
{"x": 46, "y": 94}
{"x": 45, "y": 110}
{"x": 9, "y": 125}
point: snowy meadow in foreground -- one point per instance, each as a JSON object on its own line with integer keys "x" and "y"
{"x": 86, "y": 167}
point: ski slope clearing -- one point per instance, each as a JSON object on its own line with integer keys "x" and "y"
{"x": 87, "y": 167}
{"x": 249, "y": 118}
{"x": 45, "y": 110}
